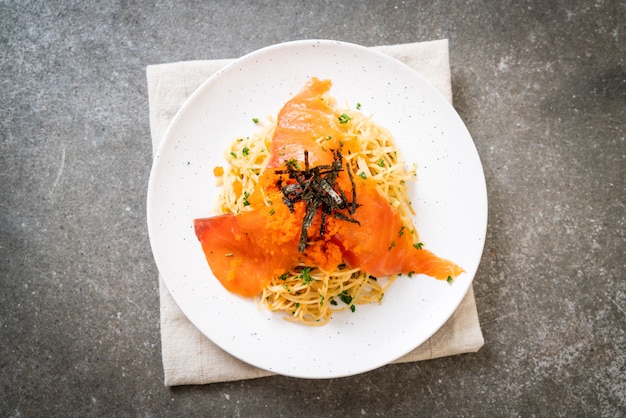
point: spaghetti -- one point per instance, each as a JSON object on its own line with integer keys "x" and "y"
{"x": 310, "y": 294}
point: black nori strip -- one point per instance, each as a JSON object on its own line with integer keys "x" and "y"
{"x": 316, "y": 187}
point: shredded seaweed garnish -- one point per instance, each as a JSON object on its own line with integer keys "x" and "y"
{"x": 317, "y": 188}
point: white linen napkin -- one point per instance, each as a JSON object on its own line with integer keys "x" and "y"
{"x": 191, "y": 358}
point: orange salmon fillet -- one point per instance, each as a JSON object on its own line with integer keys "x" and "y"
{"x": 246, "y": 250}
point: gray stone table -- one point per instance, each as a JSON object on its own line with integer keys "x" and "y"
{"x": 541, "y": 87}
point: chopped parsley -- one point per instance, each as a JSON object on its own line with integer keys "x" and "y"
{"x": 449, "y": 279}
{"x": 344, "y": 118}
{"x": 246, "y": 195}
{"x": 255, "y": 120}
{"x": 418, "y": 245}
{"x": 363, "y": 175}
{"x": 293, "y": 163}
{"x": 245, "y": 151}
{"x": 305, "y": 276}
{"x": 358, "y": 106}
{"x": 345, "y": 297}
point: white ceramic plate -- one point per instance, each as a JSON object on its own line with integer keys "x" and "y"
{"x": 450, "y": 199}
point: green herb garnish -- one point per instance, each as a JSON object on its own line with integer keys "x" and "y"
{"x": 293, "y": 163}
{"x": 418, "y": 245}
{"x": 344, "y": 118}
{"x": 306, "y": 276}
{"x": 345, "y": 297}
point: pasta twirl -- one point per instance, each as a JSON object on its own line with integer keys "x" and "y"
{"x": 315, "y": 216}
{"x": 310, "y": 294}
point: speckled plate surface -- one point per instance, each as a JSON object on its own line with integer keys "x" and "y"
{"x": 450, "y": 199}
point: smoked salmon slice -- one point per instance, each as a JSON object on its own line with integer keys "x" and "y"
{"x": 245, "y": 251}
{"x": 381, "y": 244}
{"x": 302, "y": 120}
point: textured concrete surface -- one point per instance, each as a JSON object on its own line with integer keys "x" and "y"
{"x": 542, "y": 88}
